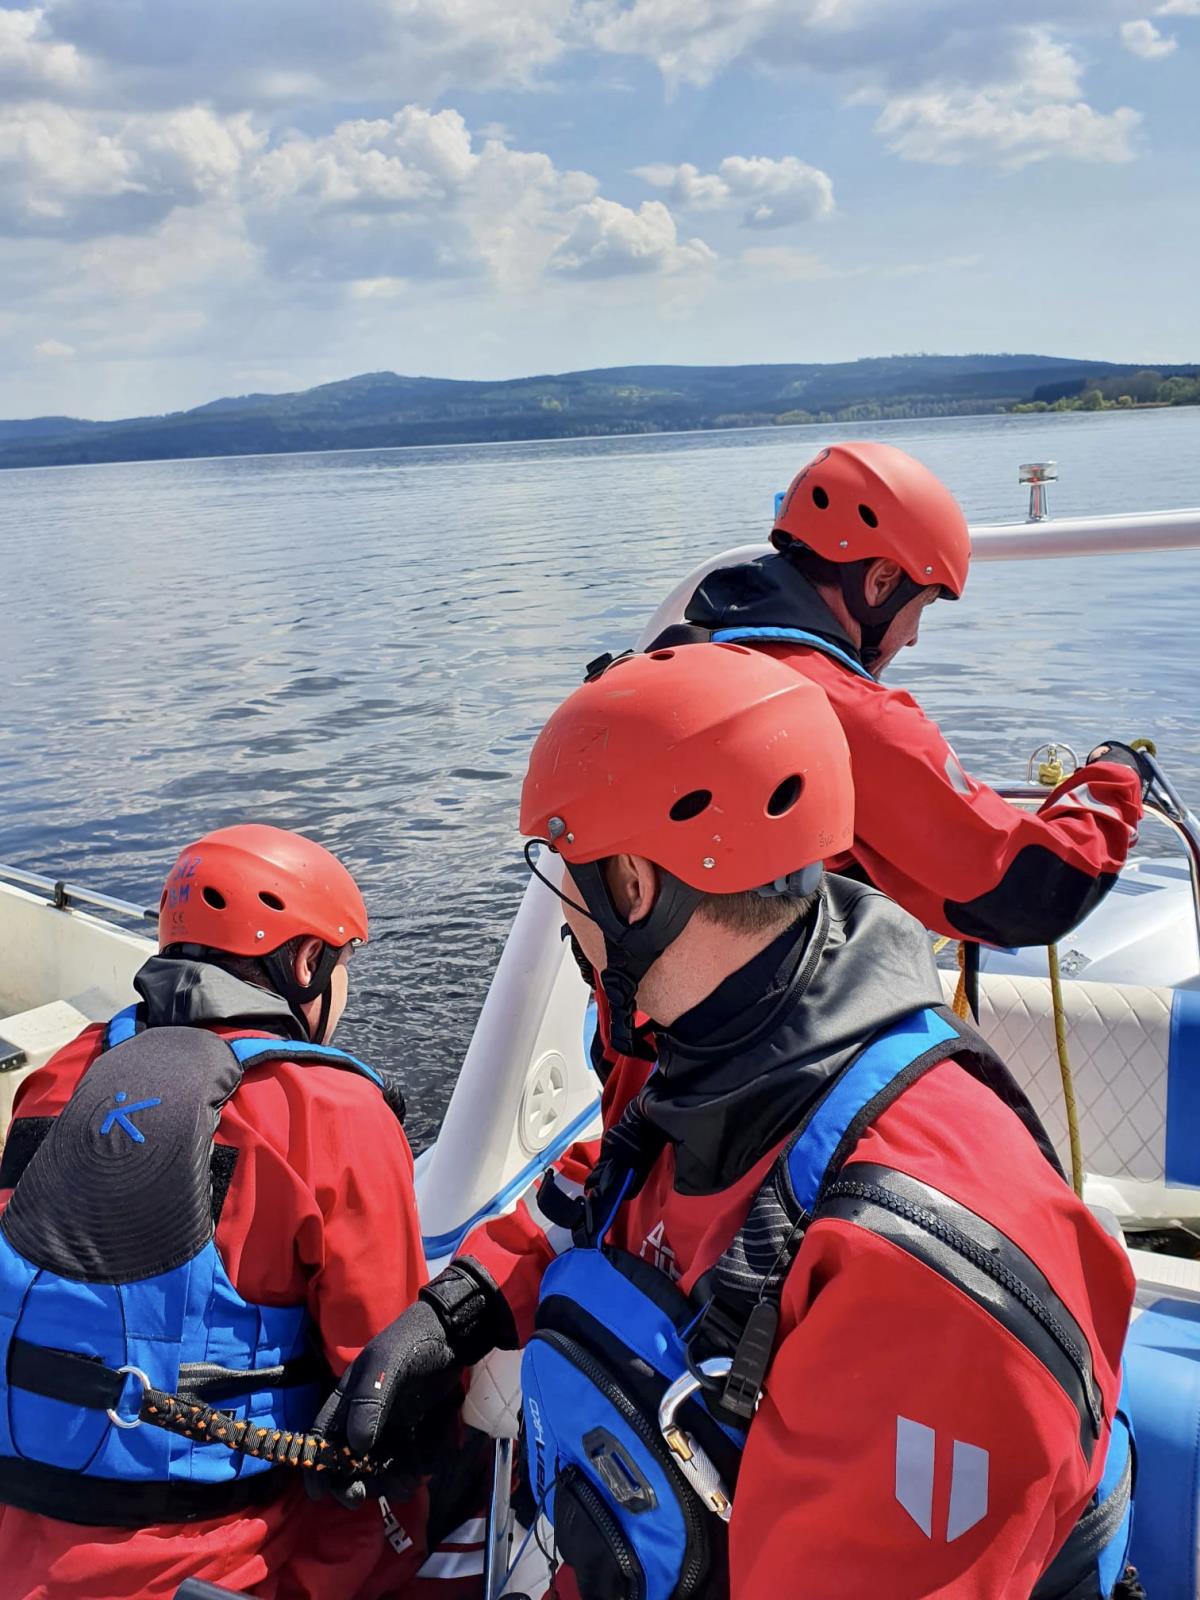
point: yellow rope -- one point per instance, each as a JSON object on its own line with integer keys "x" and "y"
{"x": 1064, "y": 1067}
{"x": 960, "y": 1005}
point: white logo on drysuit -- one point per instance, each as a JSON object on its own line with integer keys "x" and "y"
{"x": 916, "y": 1448}
{"x": 393, "y": 1532}
{"x": 656, "y": 1249}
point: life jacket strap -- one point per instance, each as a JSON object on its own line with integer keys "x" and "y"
{"x": 1072, "y": 1573}
{"x": 80, "y": 1381}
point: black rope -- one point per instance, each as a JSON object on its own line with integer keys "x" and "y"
{"x": 282, "y": 1447}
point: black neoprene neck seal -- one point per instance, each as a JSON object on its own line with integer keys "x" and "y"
{"x": 280, "y": 968}
{"x": 632, "y": 948}
{"x": 873, "y": 620}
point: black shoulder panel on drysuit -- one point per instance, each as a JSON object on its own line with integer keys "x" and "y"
{"x": 980, "y": 1261}
{"x": 26, "y": 1134}
{"x": 1039, "y": 900}
{"x": 119, "y": 1189}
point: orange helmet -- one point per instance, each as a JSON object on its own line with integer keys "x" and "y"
{"x": 725, "y": 768}
{"x": 858, "y": 502}
{"x": 716, "y": 762}
{"x": 248, "y": 890}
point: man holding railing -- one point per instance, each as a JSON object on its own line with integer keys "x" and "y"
{"x": 865, "y": 539}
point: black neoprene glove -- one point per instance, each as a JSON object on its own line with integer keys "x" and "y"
{"x": 1124, "y": 756}
{"x": 409, "y": 1375}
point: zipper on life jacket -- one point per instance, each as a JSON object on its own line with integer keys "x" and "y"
{"x": 577, "y": 1484}
{"x": 694, "y": 1564}
{"x": 984, "y": 1261}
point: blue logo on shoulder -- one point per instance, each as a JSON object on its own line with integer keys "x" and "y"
{"x": 120, "y": 1118}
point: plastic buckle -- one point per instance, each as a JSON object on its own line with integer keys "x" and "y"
{"x": 600, "y": 665}
{"x": 125, "y": 1422}
{"x": 748, "y": 1370}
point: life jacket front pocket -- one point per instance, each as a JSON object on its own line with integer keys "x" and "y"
{"x": 625, "y": 1518}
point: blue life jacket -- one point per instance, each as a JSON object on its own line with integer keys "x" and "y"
{"x": 638, "y": 1398}
{"x": 111, "y": 1283}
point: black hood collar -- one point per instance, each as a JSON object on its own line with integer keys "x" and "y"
{"x": 738, "y": 1071}
{"x": 767, "y": 592}
{"x": 180, "y": 993}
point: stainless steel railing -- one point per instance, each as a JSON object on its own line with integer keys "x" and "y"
{"x": 62, "y": 895}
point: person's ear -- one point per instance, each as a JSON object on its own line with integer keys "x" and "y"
{"x": 304, "y": 965}
{"x": 633, "y": 884}
{"x": 881, "y": 579}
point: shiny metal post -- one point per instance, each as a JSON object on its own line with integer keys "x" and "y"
{"x": 499, "y": 1522}
{"x": 1037, "y": 474}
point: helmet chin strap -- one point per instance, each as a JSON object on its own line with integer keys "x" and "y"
{"x": 632, "y": 948}
{"x": 281, "y": 970}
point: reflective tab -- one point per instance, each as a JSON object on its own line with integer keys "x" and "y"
{"x": 914, "y": 1471}
{"x": 1082, "y": 799}
{"x": 968, "y": 1489}
{"x": 955, "y": 775}
{"x": 453, "y": 1564}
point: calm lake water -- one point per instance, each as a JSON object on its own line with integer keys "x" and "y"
{"x": 363, "y": 645}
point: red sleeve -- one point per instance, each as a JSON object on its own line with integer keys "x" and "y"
{"x": 907, "y": 1445}
{"x": 364, "y": 1253}
{"x": 957, "y": 856}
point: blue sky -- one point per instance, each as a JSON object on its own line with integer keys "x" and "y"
{"x": 206, "y": 197}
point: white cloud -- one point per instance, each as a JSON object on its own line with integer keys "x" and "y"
{"x": 76, "y": 173}
{"x": 768, "y": 193}
{"x": 380, "y": 202}
{"x": 31, "y": 61}
{"x": 1142, "y": 38}
{"x": 955, "y": 126}
{"x": 53, "y": 350}
{"x": 959, "y": 81}
{"x": 1035, "y": 114}
{"x": 610, "y": 240}
{"x": 1178, "y": 8}
{"x": 289, "y": 52}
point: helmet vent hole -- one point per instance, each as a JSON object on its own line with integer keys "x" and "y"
{"x": 213, "y": 898}
{"x": 868, "y": 516}
{"x": 785, "y": 796}
{"x": 820, "y": 499}
{"x": 662, "y": 655}
{"x": 691, "y": 805}
{"x": 271, "y": 900}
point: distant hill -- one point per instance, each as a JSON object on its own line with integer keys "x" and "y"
{"x": 381, "y": 409}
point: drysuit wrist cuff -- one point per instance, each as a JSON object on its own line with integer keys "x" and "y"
{"x": 472, "y": 1311}
{"x": 1119, "y": 754}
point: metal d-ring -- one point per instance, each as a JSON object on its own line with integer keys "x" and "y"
{"x": 111, "y": 1413}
